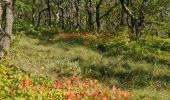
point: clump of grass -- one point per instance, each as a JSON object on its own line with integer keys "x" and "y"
{"x": 152, "y": 94}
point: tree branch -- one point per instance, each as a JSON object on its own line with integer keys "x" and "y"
{"x": 108, "y": 12}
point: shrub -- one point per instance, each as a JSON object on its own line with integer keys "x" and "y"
{"x": 16, "y": 84}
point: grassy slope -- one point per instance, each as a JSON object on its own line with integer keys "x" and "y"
{"x": 66, "y": 59}
{"x": 38, "y": 56}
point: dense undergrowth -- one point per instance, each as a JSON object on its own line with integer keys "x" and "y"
{"x": 138, "y": 65}
{"x": 16, "y": 84}
{"x": 61, "y": 59}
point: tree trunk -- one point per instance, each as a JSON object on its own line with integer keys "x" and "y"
{"x": 134, "y": 21}
{"x": 33, "y": 12}
{"x": 98, "y": 15}
{"x": 1, "y": 11}
{"x": 6, "y": 36}
{"x": 8, "y": 25}
{"x": 122, "y": 18}
{"x": 1, "y": 31}
{"x": 39, "y": 16}
{"x": 49, "y": 12}
{"x": 76, "y": 2}
{"x": 89, "y": 9}
{"x": 62, "y": 18}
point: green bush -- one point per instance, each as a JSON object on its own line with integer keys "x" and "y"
{"x": 150, "y": 49}
{"x": 25, "y": 27}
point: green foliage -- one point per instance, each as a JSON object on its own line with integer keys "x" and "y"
{"x": 23, "y": 6}
{"x": 128, "y": 63}
{"x": 146, "y": 93}
{"x": 150, "y": 49}
{"x": 26, "y": 27}
{"x": 13, "y": 88}
{"x": 135, "y": 63}
{"x": 17, "y": 84}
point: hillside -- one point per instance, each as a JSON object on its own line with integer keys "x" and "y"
{"x": 62, "y": 57}
{"x": 84, "y": 50}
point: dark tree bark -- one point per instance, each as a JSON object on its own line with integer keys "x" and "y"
{"x": 76, "y": 3}
{"x": 122, "y": 18}
{"x": 33, "y": 12}
{"x": 13, "y": 5}
{"x": 98, "y": 15}
{"x": 137, "y": 21}
{"x": 49, "y": 12}
{"x": 61, "y": 15}
{"x": 39, "y": 16}
{"x": 89, "y": 10}
{"x": 62, "y": 18}
{"x": 1, "y": 12}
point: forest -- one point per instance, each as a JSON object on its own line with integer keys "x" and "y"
{"x": 84, "y": 49}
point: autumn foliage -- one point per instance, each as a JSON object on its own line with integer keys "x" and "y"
{"x": 16, "y": 84}
{"x": 74, "y": 89}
